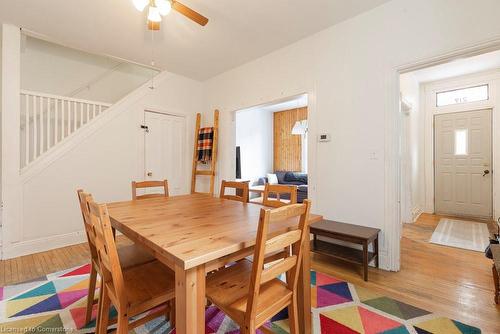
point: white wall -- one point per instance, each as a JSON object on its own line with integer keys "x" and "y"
{"x": 9, "y": 76}
{"x": 350, "y": 71}
{"x": 413, "y": 154}
{"x": 103, "y": 160}
{"x": 254, "y": 135}
{"x": 50, "y": 68}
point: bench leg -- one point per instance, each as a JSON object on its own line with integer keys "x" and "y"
{"x": 365, "y": 260}
{"x": 375, "y": 246}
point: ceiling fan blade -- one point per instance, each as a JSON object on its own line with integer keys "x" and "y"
{"x": 189, "y": 13}
{"x": 153, "y": 25}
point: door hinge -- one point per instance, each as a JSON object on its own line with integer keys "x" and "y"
{"x": 145, "y": 127}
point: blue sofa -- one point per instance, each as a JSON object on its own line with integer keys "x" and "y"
{"x": 291, "y": 178}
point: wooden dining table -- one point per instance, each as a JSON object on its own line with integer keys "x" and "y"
{"x": 196, "y": 234}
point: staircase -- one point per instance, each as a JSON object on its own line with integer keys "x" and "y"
{"x": 48, "y": 120}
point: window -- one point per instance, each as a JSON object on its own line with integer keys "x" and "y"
{"x": 464, "y": 95}
{"x": 461, "y": 142}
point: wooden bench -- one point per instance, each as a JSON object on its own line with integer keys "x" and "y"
{"x": 356, "y": 234}
{"x": 495, "y": 250}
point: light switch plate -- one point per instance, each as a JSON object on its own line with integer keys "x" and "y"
{"x": 324, "y": 137}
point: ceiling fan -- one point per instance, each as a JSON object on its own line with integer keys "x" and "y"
{"x": 159, "y": 8}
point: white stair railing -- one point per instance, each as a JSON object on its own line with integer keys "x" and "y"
{"x": 47, "y": 119}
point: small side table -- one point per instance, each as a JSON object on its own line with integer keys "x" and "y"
{"x": 356, "y": 234}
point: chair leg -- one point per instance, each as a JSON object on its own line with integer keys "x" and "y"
{"x": 104, "y": 306}
{"x": 99, "y": 305}
{"x": 293, "y": 316}
{"x": 122, "y": 325}
{"x": 248, "y": 329}
{"x": 91, "y": 292}
{"x": 172, "y": 313}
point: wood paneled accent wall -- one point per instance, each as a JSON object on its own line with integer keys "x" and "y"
{"x": 287, "y": 148}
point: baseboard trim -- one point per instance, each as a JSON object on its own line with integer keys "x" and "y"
{"x": 43, "y": 244}
{"x": 416, "y": 212}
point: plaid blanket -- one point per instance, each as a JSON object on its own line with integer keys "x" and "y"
{"x": 205, "y": 142}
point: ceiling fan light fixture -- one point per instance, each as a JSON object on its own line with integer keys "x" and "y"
{"x": 154, "y": 14}
{"x": 164, "y": 6}
{"x": 140, "y": 4}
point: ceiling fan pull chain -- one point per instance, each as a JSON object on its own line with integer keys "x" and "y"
{"x": 152, "y": 60}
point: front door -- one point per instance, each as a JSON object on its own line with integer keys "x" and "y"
{"x": 165, "y": 150}
{"x": 463, "y": 164}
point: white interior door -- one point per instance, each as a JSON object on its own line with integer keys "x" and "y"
{"x": 165, "y": 150}
{"x": 463, "y": 170}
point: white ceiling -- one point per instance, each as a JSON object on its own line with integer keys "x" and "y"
{"x": 238, "y": 30}
{"x": 464, "y": 66}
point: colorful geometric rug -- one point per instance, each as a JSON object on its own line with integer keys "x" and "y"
{"x": 56, "y": 303}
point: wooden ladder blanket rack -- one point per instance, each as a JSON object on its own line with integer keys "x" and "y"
{"x": 213, "y": 160}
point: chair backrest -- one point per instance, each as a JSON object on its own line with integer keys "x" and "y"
{"x": 85, "y": 198}
{"x": 106, "y": 250}
{"x": 241, "y": 187}
{"x": 149, "y": 184}
{"x": 291, "y": 262}
{"x": 278, "y": 190}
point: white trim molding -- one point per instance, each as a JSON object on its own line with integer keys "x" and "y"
{"x": 392, "y": 224}
{"x": 44, "y": 244}
{"x": 429, "y": 90}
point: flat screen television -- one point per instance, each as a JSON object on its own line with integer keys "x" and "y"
{"x": 238, "y": 163}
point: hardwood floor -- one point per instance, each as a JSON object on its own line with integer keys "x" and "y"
{"x": 452, "y": 282}
{"x": 30, "y": 267}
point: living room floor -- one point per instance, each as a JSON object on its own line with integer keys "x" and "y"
{"x": 453, "y": 282}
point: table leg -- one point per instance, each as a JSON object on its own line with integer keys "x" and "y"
{"x": 375, "y": 246}
{"x": 365, "y": 260}
{"x": 304, "y": 289}
{"x": 190, "y": 300}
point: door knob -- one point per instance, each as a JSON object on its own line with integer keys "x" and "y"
{"x": 151, "y": 173}
{"x": 486, "y": 172}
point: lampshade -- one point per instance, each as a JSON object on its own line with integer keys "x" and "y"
{"x": 164, "y": 6}
{"x": 140, "y": 4}
{"x": 154, "y": 14}
{"x": 299, "y": 128}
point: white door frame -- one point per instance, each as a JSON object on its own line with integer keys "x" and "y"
{"x": 392, "y": 225}
{"x": 142, "y": 142}
{"x": 311, "y": 133}
{"x": 430, "y": 110}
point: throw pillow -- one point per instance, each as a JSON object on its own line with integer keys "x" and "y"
{"x": 272, "y": 179}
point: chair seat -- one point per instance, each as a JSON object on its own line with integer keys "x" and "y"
{"x": 260, "y": 200}
{"x": 133, "y": 255}
{"x": 228, "y": 288}
{"x": 271, "y": 257}
{"x": 148, "y": 284}
{"x": 256, "y": 200}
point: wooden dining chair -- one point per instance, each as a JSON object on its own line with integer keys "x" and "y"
{"x": 133, "y": 291}
{"x": 251, "y": 294}
{"x": 129, "y": 255}
{"x": 278, "y": 190}
{"x": 239, "y": 187}
{"x": 149, "y": 184}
